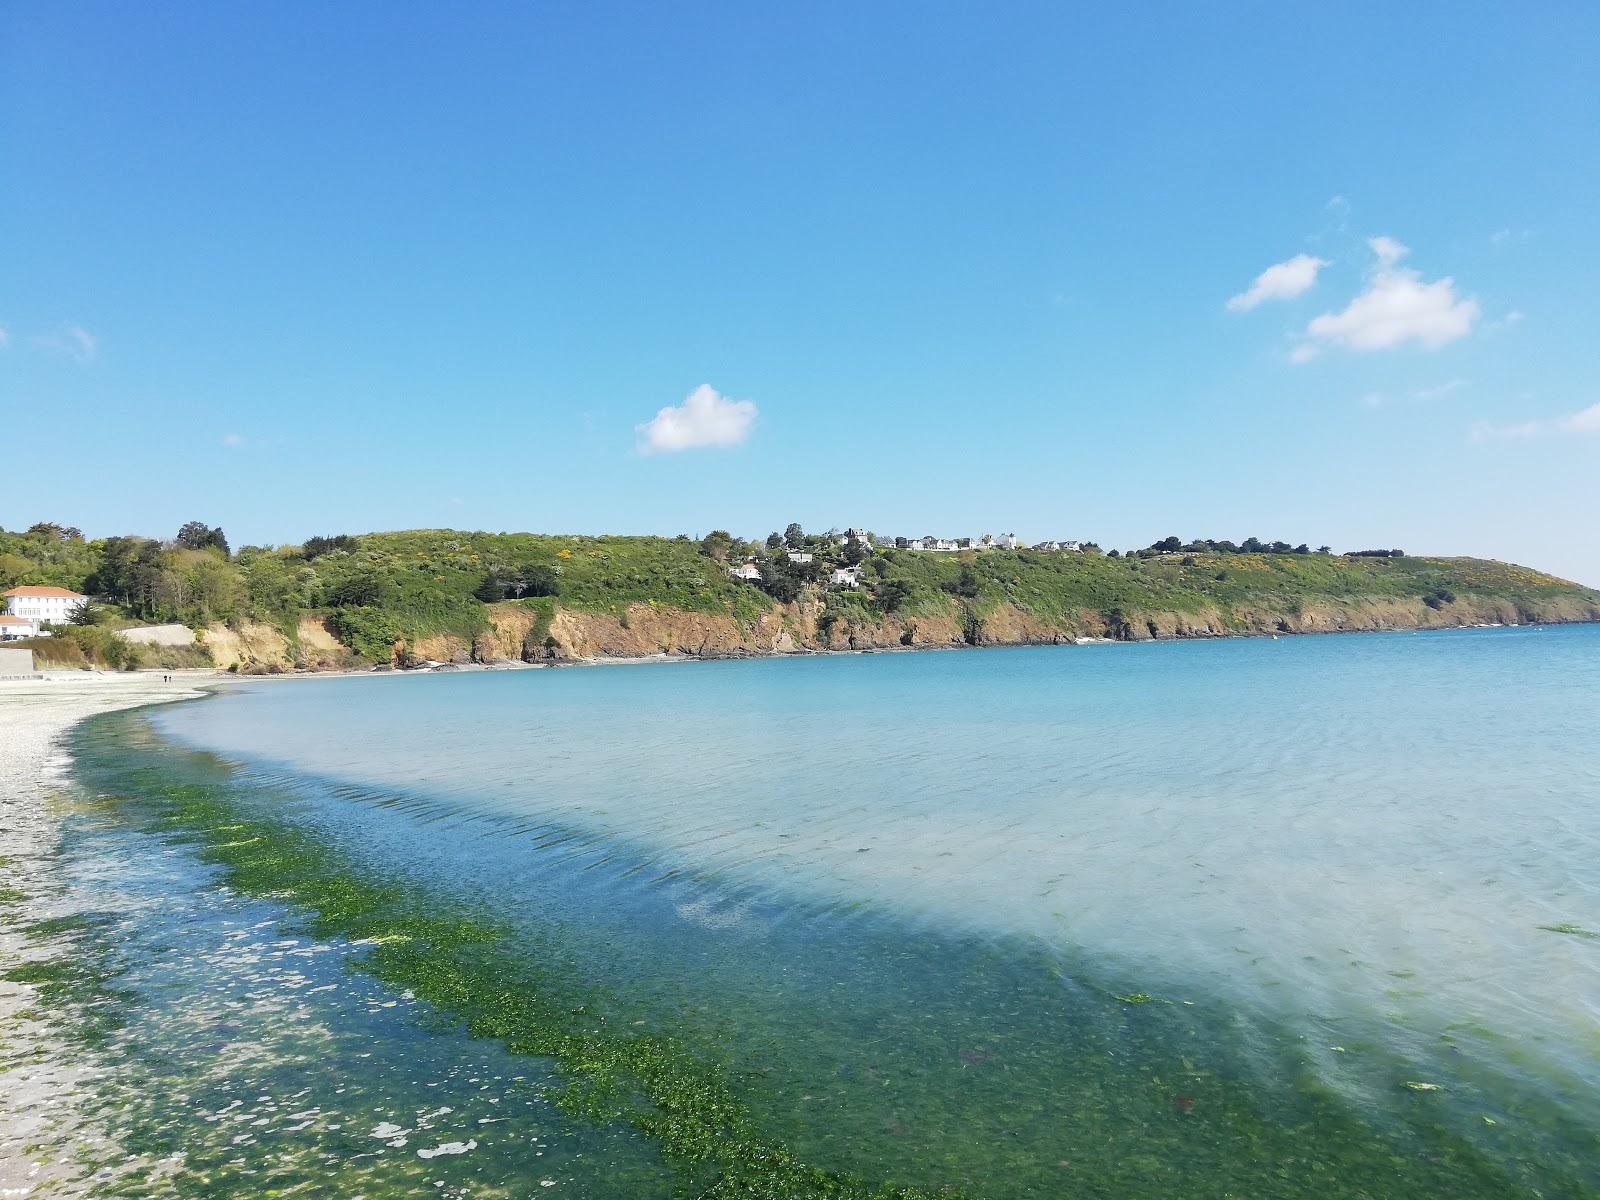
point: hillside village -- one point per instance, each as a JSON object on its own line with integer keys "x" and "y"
{"x": 843, "y": 553}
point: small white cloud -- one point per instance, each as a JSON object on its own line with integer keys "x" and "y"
{"x": 1397, "y": 307}
{"x": 1387, "y": 250}
{"x": 72, "y": 340}
{"x": 5, "y": 337}
{"x": 1585, "y": 422}
{"x": 1281, "y": 281}
{"x": 1513, "y": 317}
{"x": 1304, "y": 353}
{"x": 233, "y": 440}
{"x": 1374, "y": 400}
{"x": 705, "y": 418}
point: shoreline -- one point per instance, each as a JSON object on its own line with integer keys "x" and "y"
{"x": 43, "y": 1080}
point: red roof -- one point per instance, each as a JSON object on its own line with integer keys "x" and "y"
{"x": 37, "y": 590}
{"x": 6, "y": 620}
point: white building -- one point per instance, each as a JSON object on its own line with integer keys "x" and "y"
{"x": 799, "y": 556}
{"x": 748, "y": 572}
{"x": 12, "y": 628}
{"x": 846, "y": 577}
{"x": 41, "y": 604}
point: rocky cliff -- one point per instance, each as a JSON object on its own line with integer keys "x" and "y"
{"x": 643, "y": 629}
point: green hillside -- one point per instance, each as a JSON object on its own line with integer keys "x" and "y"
{"x": 377, "y": 591}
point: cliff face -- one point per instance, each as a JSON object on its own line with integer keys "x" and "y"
{"x": 253, "y": 648}
{"x": 644, "y": 629}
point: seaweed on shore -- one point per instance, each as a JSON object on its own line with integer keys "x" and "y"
{"x": 465, "y": 968}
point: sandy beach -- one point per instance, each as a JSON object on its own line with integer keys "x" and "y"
{"x": 42, "y": 1081}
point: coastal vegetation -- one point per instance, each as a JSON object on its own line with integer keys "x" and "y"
{"x": 415, "y": 595}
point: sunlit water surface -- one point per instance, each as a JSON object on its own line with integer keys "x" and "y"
{"x": 919, "y": 900}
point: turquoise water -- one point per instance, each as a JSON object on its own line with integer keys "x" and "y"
{"x": 1303, "y": 917}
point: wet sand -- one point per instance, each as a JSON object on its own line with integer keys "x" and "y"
{"x": 43, "y": 1082}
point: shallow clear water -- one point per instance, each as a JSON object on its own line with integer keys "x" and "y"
{"x": 1105, "y": 920}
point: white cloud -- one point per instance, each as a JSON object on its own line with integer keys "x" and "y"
{"x": 1584, "y": 422}
{"x": 705, "y": 418}
{"x": 72, "y": 340}
{"x": 5, "y": 337}
{"x": 1397, "y": 307}
{"x": 232, "y": 440}
{"x": 1281, "y": 281}
{"x": 1387, "y": 250}
{"x": 1304, "y": 353}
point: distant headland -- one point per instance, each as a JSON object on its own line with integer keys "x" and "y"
{"x": 433, "y": 596}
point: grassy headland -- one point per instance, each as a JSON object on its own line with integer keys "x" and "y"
{"x": 450, "y": 595}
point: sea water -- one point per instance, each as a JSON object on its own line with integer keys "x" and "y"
{"x": 1299, "y": 917}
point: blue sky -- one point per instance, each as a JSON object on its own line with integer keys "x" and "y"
{"x": 304, "y": 269}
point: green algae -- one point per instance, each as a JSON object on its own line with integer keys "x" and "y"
{"x": 465, "y": 967}
{"x": 1573, "y": 930}
{"x": 81, "y": 985}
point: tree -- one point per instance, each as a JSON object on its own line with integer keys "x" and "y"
{"x": 361, "y": 589}
{"x": 854, "y": 552}
{"x": 51, "y": 532}
{"x": 779, "y": 579}
{"x": 794, "y": 537}
{"x": 717, "y": 544}
{"x": 316, "y": 547}
{"x": 1324, "y": 549}
{"x": 774, "y": 540}
{"x": 82, "y": 613}
{"x": 966, "y": 584}
{"x": 891, "y": 594}
{"x": 272, "y": 587}
{"x": 197, "y": 535}
{"x": 517, "y": 582}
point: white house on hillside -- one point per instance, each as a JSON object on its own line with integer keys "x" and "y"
{"x": 848, "y": 577}
{"x": 800, "y": 556}
{"x": 748, "y": 572}
{"x": 42, "y": 604}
